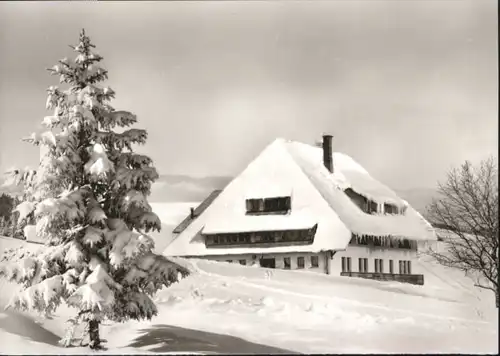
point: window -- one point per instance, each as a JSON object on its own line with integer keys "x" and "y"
{"x": 229, "y": 261}
{"x": 277, "y": 204}
{"x": 346, "y": 264}
{"x": 405, "y": 267}
{"x": 404, "y": 244}
{"x": 357, "y": 199}
{"x": 300, "y": 262}
{"x": 390, "y": 209}
{"x": 363, "y": 265}
{"x": 391, "y": 266}
{"x": 286, "y": 260}
{"x": 243, "y": 262}
{"x": 372, "y": 207}
{"x": 216, "y": 239}
{"x": 267, "y": 237}
{"x": 379, "y": 265}
{"x": 314, "y": 261}
{"x": 268, "y": 205}
{"x": 368, "y": 206}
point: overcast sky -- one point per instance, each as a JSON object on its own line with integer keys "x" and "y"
{"x": 408, "y": 88}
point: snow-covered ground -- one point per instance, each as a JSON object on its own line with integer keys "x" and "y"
{"x": 297, "y": 311}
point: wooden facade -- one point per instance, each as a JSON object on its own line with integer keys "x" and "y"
{"x": 261, "y": 238}
{"x": 404, "y": 278}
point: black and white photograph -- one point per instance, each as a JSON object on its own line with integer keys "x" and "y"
{"x": 249, "y": 177}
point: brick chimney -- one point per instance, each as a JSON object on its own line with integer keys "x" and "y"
{"x": 327, "y": 152}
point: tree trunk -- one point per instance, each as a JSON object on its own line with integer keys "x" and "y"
{"x": 95, "y": 341}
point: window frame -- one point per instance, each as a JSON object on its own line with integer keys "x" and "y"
{"x": 316, "y": 259}
{"x": 363, "y": 264}
{"x": 402, "y": 267}
{"x": 301, "y": 265}
{"x": 285, "y": 260}
{"x": 268, "y": 205}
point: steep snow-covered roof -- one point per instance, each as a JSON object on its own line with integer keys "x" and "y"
{"x": 348, "y": 173}
{"x": 197, "y": 212}
{"x": 269, "y": 191}
{"x": 318, "y": 197}
{"x": 244, "y": 223}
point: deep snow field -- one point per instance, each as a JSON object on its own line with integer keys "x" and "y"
{"x": 297, "y": 311}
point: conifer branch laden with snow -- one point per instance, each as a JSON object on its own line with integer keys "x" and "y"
{"x": 88, "y": 201}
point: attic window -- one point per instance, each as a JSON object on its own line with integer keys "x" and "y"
{"x": 368, "y": 206}
{"x": 275, "y": 205}
{"x": 390, "y": 209}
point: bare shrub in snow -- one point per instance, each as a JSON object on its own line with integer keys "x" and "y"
{"x": 88, "y": 202}
{"x": 468, "y": 209}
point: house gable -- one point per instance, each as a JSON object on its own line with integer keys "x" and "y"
{"x": 274, "y": 173}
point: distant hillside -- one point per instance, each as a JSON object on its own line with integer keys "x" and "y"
{"x": 183, "y": 188}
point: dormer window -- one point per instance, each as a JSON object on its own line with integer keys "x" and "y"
{"x": 367, "y": 205}
{"x": 393, "y": 209}
{"x": 371, "y": 207}
{"x": 274, "y": 205}
{"x": 390, "y": 209}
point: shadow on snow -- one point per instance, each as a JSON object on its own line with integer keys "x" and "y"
{"x": 165, "y": 338}
{"x": 19, "y": 324}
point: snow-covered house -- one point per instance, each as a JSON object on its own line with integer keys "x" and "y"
{"x": 298, "y": 206}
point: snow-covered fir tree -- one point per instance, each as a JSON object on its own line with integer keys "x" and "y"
{"x": 88, "y": 200}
